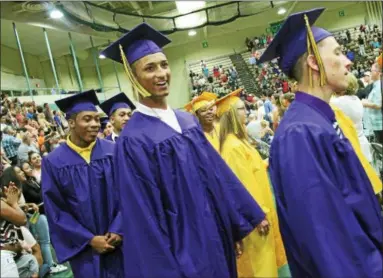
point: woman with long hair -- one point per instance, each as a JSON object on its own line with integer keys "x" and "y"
{"x": 263, "y": 253}
{"x": 35, "y": 161}
{"x": 32, "y": 188}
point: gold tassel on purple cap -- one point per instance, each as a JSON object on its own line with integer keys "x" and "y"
{"x": 135, "y": 84}
{"x": 311, "y": 45}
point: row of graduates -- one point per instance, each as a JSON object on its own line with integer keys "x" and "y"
{"x": 181, "y": 201}
{"x": 159, "y": 201}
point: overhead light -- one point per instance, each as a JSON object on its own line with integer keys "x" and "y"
{"x": 101, "y": 56}
{"x": 192, "y": 33}
{"x": 56, "y": 14}
{"x": 281, "y": 11}
{"x": 184, "y": 7}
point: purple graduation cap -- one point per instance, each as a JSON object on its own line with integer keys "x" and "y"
{"x": 116, "y": 102}
{"x": 141, "y": 41}
{"x": 85, "y": 101}
{"x": 290, "y": 43}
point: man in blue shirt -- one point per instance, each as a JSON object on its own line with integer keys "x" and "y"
{"x": 10, "y": 144}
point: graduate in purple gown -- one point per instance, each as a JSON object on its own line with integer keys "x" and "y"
{"x": 119, "y": 110}
{"x": 80, "y": 195}
{"x": 183, "y": 208}
{"x": 329, "y": 217}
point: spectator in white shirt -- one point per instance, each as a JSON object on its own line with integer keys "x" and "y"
{"x": 253, "y": 128}
{"x": 352, "y": 107}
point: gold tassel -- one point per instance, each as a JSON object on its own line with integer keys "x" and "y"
{"x": 311, "y": 44}
{"x": 232, "y": 115}
{"x": 136, "y": 85}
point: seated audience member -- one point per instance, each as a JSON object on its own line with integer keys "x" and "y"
{"x": 35, "y": 162}
{"x": 253, "y": 128}
{"x": 26, "y": 146}
{"x": 10, "y": 144}
{"x": 13, "y": 262}
{"x": 31, "y": 188}
{"x": 266, "y": 132}
{"x": 39, "y": 227}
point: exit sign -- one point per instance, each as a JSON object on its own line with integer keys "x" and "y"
{"x": 205, "y": 44}
{"x": 341, "y": 13}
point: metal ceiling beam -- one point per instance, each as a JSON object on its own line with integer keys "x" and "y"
{"x": 150, "y": 5}
{"x": 291, "y": 9}
{"x": 135, "y": 6}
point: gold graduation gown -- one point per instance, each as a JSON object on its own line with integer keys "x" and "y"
{"x": 262, "y": 256}
{"x": 213, "y": 137}
{"x": 348, "y": 129}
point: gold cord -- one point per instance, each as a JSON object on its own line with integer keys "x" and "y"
{"x": 137, "y": 87}
{"x": 311, "y": 45}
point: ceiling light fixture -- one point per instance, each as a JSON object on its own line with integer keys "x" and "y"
{"x": 192, "y": 33}
{"x": 281, "y": 11}
{"x": 101, "y": 56}
{"x": 184, "y": 7}
{"x": 56, "y": 14}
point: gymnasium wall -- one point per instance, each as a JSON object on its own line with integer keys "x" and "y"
{"x": 219, "y": 41}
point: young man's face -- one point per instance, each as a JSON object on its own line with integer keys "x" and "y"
{"x": 153, "y": 73}
{"x": 120, "y": 117}
{"x": 336, "y": 64}
{"x": 86, "y": 125}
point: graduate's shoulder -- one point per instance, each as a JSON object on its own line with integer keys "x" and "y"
{"x": 106, "y": 145}
{"x": 142, "y": 127}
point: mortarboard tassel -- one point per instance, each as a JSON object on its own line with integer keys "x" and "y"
{"x": 136, "y": 85}
{"x": 311, "y": 44}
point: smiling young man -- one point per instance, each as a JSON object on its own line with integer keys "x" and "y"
{"x": 80, "y": 196}
{"x": 119, "y": 109}
{"x": 329, "y": 217}
{"x": 183, "y": 207}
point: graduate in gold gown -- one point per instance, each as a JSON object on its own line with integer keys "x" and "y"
{"x": 349, "y": 131}
{"x": 204, "y": 109}
{"x": 262, "y": 255}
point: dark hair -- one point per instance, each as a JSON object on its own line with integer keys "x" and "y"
{"x": 39, "y": 109}
{"x": 30, "y": 153}
{"x": 54, "y": 112}
{"x": 9, "y": 175}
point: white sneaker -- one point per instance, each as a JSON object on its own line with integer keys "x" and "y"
{"x": 57, "y": 268}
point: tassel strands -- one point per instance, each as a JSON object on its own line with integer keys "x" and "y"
{"x": 311, "y": 45}
{"x": 136, "y": 85}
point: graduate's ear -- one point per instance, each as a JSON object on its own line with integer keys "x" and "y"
{"x": 111, "y": 118}
{"x": 312, "y": 62}
{"x": 72, "y": 121}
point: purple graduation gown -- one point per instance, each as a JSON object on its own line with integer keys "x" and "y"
{"x": 81, "y": 202}
{"x": 329, "y": 217}
{"x": 182, "y": 206}
{"x": 109, "y": 137}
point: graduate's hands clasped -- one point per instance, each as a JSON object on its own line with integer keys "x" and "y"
{"x": 113, "y": 239}
{"x": 101, "y": 245}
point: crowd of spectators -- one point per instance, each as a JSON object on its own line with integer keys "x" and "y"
{"x": 28, "y": 132}
{"x": 218, "y": 79}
